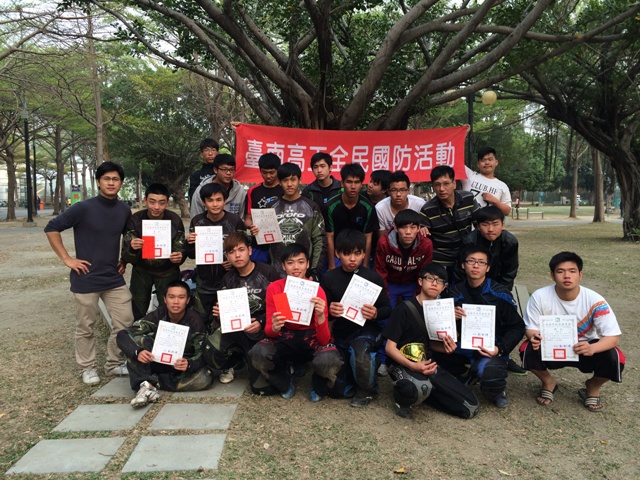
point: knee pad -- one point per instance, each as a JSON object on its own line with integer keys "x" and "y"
{"x": 364, "y": 360}
{"x": 327, "y": 362}
{"x": 261, "y": 357}
{"x": 409, "y": 390}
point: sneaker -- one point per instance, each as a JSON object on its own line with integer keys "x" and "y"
{"x": 226, "y": 376}
{"x": 500, "y": 400}
{"x": 120, "y": 371}
{"x": 147, "y": 393}
{"x": 514, "y": 368}
{"x": 383, "y": 371}
{"x": 90, "y": 377}
{"x": 404, "y": 412}
{"x": 361, "y": 400}
{"x": 314, "y": 397}
{"x": 288, "y": 395}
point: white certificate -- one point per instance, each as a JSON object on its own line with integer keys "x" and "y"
{"x": 267, "y": 221}
{"x": 479, "y": 327}
{"x": 440, "y": 317}
{"x": 235, "y": 314}
{"x": 358, "y": 293}
{"x": 160, "y": 230}
{"x": 299, "y": 292}
{"x": 169, "y": 343}
{"x": 209, "y": 245}
{"x": 559, "y": 335}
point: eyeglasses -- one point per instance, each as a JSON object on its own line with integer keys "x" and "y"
{"x": 431, "y": 279}
{"x": 471, "y": 261}
{"x": 226, "y": 170}
{"x": 442, "y": 185}
{"x": 110, "y": 179}
{"x": 393, "y": 191}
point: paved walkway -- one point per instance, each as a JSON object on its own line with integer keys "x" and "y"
{"x": 183, "y": 431}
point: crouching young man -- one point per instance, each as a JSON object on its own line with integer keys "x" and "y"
{"x": 291, "y": 343}
{"x": 357, "y": 343}
{"x": 146, "y": 376}
{"x": 598, "y": 332}
{"x": 416, "y": 376}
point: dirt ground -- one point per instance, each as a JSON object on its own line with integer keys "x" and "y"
{"x": 273, "y": 438}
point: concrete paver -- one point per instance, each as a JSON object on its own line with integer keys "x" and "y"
{"x": 66, "y": 456}
{"x": 176, "y": 452}
{"x": 234, "y": 389}
{"x": 181, "y": 416}
{"x": 119, "y": 387}
{"x": 93, "y": 418}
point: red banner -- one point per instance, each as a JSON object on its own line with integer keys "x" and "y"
{"x": 416, "y": 152}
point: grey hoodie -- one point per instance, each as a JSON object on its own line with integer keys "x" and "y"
{"x": 234, "y": 203}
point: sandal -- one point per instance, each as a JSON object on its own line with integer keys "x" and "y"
{"x": 593, "y": 404}
{"x": 544, "y": 395}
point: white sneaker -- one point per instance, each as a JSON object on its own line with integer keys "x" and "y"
{"x": 226, "y": 376}
{"x": 383, "y": 371}
{"x": 120, "y": 370}
{"x": 147, "y": 393}
{"x": 90, "y": 377}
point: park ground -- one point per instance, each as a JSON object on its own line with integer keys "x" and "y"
{"x": 271, "y": 438}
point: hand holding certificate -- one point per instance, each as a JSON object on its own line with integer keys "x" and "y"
{"x": 209, "y": 245}
{"x": 299, "y": 293}
{"x": 478, "y": 327}
{"x": 440, "y": 317}
{"x": 267, "y": 222}
{"x": 235, "y": 314}
{"x": 169, "y": 343}
{"x": 559, "y": 334}
{"x": 359, "y": 292}
{"x": 157, "y": 239}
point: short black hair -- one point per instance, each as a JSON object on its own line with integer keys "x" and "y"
{"x": 106, "y": 167}
{"x": 381, "y": 177}
{"x": 562, "y": 257}
{"x": 471, "y": 249}
{"x": 212, "y": 188}
{"x": 352, "y": 170}
{"x": 287, "y": 170}
{"x": 269, "y": 161}
{"x": 234, "y": 239}
{"x": 408, "y": 217}
{"x": 209, "y": 143}
{"x": 180, "y": 284}
{"x": 484, "y": 151}
{"x": 435, "y": 269}
{"x": 224, "y": 159}
{"x": 442, "y": 171}
{"x": 293, "y": 250}
{"x": 350, "y": 240}
{"x": 399, "y": 176}
{"x": 488, "y": 214}
{"x": 157, "y": 189}
{"x": 321, "y": 156}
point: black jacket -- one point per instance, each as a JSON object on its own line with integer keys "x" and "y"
{"x": 198, "y": 176}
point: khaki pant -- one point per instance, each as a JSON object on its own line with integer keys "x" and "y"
{"x": 118, "y": 303}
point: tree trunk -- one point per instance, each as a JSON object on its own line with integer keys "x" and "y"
{"x": 10, "y": 160}
{"x": 178, "y": 197}
{"x": 59, "y": 200}
{"x": 95, "y": 87}
{"x": 598, "y": 186}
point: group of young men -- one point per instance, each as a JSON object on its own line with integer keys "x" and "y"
{"x": 453, "y": 245}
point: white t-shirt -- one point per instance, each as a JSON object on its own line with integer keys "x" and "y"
{"x": 595, "y": 317}
{"x": 385, "y": 216}
{"x": 479, "y": 184}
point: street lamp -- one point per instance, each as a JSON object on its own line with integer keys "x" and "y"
{"x": 489, "y": 97}
{"x": 25, "y": 116}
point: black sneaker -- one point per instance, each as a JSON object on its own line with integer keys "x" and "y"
{"x": 361, "y": 400}
{"x": 516, "y": 369}
{"x": 404, "y": 412}
{"x": 500, "y": 400}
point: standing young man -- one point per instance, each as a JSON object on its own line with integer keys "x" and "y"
{"x": 224, "y": 168}
{"x": 489, "y": 366}
{"x": 148, "y": 273}
{"x": 358, "y": 344}
{"x": 97, "y": 226}
{"x": 300, "y": 222}
{"x": 324, "y": 186}
{"x": 598, "y": 332}
{"x": 398, "y": 200}
{"x": 350, "y": 210}
{"x": 485, "y": 187}
{"x": 263, "y": 195}
{"x": 208, "y": 151}
{"x": 415, "y": 375}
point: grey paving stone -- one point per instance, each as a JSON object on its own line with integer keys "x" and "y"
{"x": 186, "y": 416}
{"x": 179, "y": 452}
{"x": 234, "y": 389}
{"x": 93, "y": 418}
{"x": 66, "y": 456}
{"x": 119, "y": 387}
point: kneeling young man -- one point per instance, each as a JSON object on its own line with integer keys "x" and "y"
{"x": 357, "y": 343}
{"x": 416, "y": 377}
{"x": 137, "y": 341}
{"x": 487, "y": 366}
{"x": 598, "y": 332}
{"x": 291, "y": 343}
